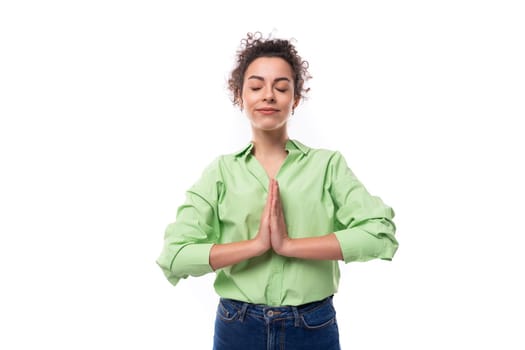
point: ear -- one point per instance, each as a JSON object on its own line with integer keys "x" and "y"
{"x": 296, "y": 102}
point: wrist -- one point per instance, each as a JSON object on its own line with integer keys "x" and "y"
{"x": 286, "y": 247}
{"x": 257, "y": 247}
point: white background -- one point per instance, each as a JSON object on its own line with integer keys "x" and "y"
{"x": 111, "y": 109}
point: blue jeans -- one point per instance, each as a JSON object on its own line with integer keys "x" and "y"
{"x": 245, "y": 326}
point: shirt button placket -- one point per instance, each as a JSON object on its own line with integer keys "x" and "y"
{"x": 276, "y": 281}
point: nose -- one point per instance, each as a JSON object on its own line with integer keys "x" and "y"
{"x": 269, "y": 95}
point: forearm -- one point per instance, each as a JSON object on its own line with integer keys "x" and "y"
{"x": 317, "y": 248}
{"x": 222, "y": 255}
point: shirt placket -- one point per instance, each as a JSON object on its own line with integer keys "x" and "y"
{"x": 275, "y": 284}
{"x": 274, "y": 288}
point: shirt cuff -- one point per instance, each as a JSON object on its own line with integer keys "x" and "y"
{"x": 193, "y": 259}
{"x": 358, "y": 245}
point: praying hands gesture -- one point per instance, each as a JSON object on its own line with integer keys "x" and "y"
{"x": 272, "y": 230}
{"x": 273, "y": 234}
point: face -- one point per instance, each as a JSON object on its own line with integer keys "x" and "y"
{"x": 268, "y": 93}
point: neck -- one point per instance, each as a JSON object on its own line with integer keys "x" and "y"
{"x": 269, "y": 143}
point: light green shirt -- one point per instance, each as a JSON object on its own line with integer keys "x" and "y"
{"x": 320, "y": 195}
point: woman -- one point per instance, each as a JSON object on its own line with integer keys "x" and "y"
{"x": 274, "y": 219}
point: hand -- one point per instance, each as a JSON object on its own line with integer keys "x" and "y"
{"x": 279, "y": 234}
{"x": 263, "y": 239}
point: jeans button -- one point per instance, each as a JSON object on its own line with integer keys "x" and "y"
{"x": 269, "y": 313}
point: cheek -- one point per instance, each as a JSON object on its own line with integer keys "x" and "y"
{"x": 248, "y": 99}
{"x": 290, "y": 103}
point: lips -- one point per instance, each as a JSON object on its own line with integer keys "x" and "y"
{"x": 267, "y": 110}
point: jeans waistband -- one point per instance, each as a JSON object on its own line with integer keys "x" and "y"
{"x": 269, "y": 312}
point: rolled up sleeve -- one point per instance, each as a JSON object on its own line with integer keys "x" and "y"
{"x": 188, "y": 240}
{"x": 365, "y": 229}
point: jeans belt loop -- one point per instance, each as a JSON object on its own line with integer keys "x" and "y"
{"x": 243, "y": 311}
{"x": 296, "y": 316}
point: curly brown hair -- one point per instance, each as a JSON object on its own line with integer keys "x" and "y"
{"x": 255, "y": 46}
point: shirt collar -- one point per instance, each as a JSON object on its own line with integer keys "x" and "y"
{"x": 291, "y": 145}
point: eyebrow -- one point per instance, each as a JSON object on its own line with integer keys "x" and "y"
{"x": 262, "y": 79}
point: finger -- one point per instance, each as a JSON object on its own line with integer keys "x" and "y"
{"x": 277, "y": 196}
{"x": 270, "y": 189}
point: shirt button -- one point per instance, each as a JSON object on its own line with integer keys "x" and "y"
{"x": 269, "y": 313}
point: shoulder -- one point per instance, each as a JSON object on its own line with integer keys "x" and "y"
{"x": 211, "y": 173}
{"x": 319, "y": 153}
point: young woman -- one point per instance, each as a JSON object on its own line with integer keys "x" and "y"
{"x": 274, "y": 219}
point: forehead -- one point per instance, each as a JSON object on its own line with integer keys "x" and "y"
{"x": 269, "y": 68}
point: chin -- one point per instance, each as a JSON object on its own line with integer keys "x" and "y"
{"x": 269, "y": 127}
